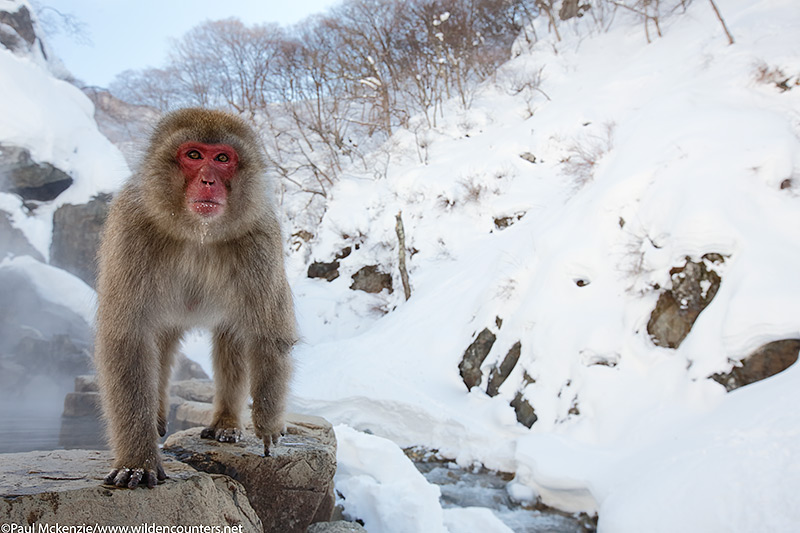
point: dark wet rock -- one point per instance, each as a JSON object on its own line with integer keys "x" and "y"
{"x": 500, "y": 373}
{"x": 694, "y": 285}
{"x": 474, "y": 356}
{"x": 76, "y": 237}
{"x": 370, "y": 279}
{"x": 21, "y": 175}
{"x": 526, "y": 415}
{"x": 766, "y": 361}
{"x": 326, "y": 271}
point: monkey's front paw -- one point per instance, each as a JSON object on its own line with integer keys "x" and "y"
{"x": 132, "y": 477}
{"x": 221, "y": 434}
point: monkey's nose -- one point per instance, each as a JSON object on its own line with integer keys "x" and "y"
{"x": 206, "y": 176}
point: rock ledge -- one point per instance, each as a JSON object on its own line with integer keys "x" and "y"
{"x": 209, "y": 484}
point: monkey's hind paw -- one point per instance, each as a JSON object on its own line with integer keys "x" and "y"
{"x": 221, "y": 434}
{"x": 133, "y": 477}
{"x": 272, "y": 440}
{"x": 162, "y": 427}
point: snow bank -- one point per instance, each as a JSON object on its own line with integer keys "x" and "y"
{"x": 735, "y": 469}
{"x": 381, "y": 486}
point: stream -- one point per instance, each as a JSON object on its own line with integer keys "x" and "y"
{"x": 479, "y": 487}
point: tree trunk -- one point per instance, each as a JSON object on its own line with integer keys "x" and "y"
{"x": 401, "y": 238}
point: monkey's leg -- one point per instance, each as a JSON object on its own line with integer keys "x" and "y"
{"x": 167, "y": 344}
{"x": 128, "y": 371}
{"x": 230, "y": 377}
{"x": 270, "y": 369}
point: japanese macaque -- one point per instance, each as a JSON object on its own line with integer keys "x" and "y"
{"x": 192, "y": 241}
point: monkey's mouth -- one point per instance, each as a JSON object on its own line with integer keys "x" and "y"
{"x": 207, "y": 208}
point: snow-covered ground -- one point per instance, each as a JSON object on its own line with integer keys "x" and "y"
{"x": 675, "y": 148}
{"x": 644, "y": 154}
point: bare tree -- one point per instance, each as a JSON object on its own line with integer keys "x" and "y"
{"x": 227, "y": 63}
{"x": 722, "y": 21}
{"x": 337, "y": 86}
{"x": 153, "y": 87}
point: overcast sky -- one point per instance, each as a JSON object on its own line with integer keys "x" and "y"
{"x": 127, "y": 34}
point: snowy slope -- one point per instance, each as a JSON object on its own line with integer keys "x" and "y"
{"x": 673, "y": 149}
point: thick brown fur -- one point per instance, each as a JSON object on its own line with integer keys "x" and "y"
{"x": 163, "y": 270}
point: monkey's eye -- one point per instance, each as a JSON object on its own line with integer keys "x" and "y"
{"x": 193, "y": 154}
{"x": 223, "y": 158}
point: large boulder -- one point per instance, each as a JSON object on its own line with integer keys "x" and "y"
{"x": 766, "y": 361}
{"x": 474, "y": 356}
{"x": 289, "y": 489}
{"x": 76, "y": 236}
{"x": 31, "y": 180}
{"x": 64, "y": 487}
{"x": 693, "y": 286}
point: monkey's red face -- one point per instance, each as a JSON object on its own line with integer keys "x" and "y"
{"x": 208, "y": 170}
